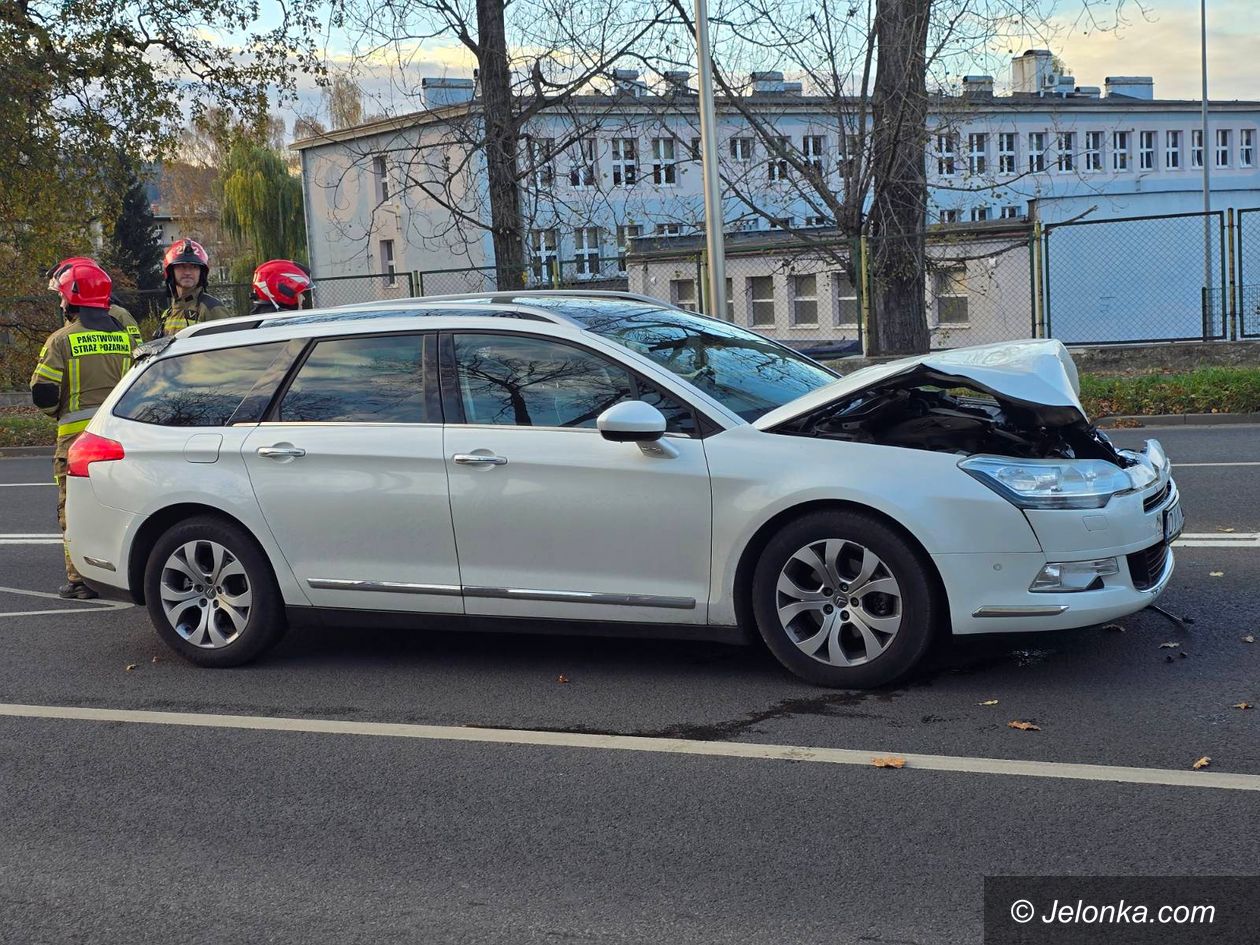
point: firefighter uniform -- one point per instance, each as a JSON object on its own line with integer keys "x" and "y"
{"x": 194, "y": 309}
{"x": 78, "y": 366}
{"x": 126, "y": 320}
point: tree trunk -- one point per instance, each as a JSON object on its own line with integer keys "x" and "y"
{"x": 899, "y": 205}
{"x": 501, "y": 137}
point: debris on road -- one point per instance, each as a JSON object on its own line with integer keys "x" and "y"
{"x": 562, "y": 678}
{"x": 1249, "y": 638}
{"x": 889, "y": 762}
{"x": 1169, "y": 646}
{"x": 1216, "y": 574}
{"x": 1024, "y": 726}
{"x": 1242, "y": 705}
{"x": 988, "y": 702}
{"x": 1114, "y": 628}
{"x": 129, "y": 667}
{"x": 1202, "y": 763}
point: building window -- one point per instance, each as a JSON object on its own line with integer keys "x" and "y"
{"x": 1246, "y": 147}
{"x": 1119, "y": 150}
{"x": 979, "y": 214}
{"x": 812, "y": 146}
{"x": 624, "y": 235}
{"x": 949, "y": 216}
{"x": 805, "y": 300}
{"x": 1010, "y": 212}
{"x": 380, "y": 169}
{"x": 664, "y": 166}
{"x": 387, "y": 262}
{"x": 816, "y": 221}
{"x": 1172, "y": 150}
{"x": 540, "y": 151}
{"x": 582, "y": 173}
{"x": 850, "y": 154}
{"x": 1196, "y": 148}
{"x": 543, "y": 255}
{"x": 730, "y": 300}
{"x": 1146, "y": 150}
{"x": 1093, "y": 150}
{"x": 780, "y": 223}
{"x": 1223, "y": 136}
{"x": 950, "y": 287}
{"x": 761, "y": 299}
{"x": 667, "y": 229}
{"x": 977, "y": 153}
{"x": 1065, "y": 148}
{"x": 945, "y": 155}
{"x": 778, "y": 166}
{"x": 1006, "y": 152}
{"x": 848, "y": 313}
{"x": 696, "y": 149}
{"x": 682, "y": 292}
{"x": 1037, "y": 151}
{"x": 741, "y": 150}
{"x": 586, "y": 250}
{"x": 625, "y": 167}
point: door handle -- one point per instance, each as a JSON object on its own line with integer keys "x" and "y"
{"x": 281, "y": 452}
{"x": 478, "y": 459}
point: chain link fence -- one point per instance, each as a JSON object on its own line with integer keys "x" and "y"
{"x": 1136, "y": 279}
{"x": 1247, "y": 256}
{"x": 588, "y": 272}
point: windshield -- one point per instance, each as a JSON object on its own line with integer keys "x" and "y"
{"x": 748, "y": 374}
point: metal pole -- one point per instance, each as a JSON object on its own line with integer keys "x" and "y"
{"x": 1207, "y": 155}
{"x": 715, "y": 242}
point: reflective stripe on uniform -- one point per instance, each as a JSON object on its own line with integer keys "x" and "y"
{"x": 75, "y": 387}
{"x": 52, "y": 374}
{"x": 65, "y": 429}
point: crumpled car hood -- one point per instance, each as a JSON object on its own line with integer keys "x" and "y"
{"x": 1037, "y": 374}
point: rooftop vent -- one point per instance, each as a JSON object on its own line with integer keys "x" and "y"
{"x": 766, "y": 83}
{"x": 1130, "y": 86}
{"x": 1087, "y": 91}
{"x": 440, "y": 92}
{"x": 1033, "y": 72}
{"x": 793, "y": 88}
{"x": 627, "y": 82}
{"x": 978, "y": 85}
{"x": 678, "y": 82}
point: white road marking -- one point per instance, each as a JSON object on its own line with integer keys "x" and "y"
{"x": 30, "y": 538}
{"x": 1218, "y": 540}
{"x": 12, "y": 485}
{"x": 96, "y": 604}
{"x": 667, "y": 746}
{"x": 1177, "y": 466}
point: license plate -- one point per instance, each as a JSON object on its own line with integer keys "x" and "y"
{"x": 1174, "y": 521}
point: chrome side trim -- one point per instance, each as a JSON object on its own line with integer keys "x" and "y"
{"x": 387, "y": 587}
{"x": 98, "y": 563}
{"x": 582, "y": 597}
{"x": 1021, "y": 610}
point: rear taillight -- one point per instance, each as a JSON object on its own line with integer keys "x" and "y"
{"x": 88, "y": 449}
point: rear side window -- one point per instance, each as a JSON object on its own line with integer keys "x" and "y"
{"x": 359, "y": 380}
{"x": 205, "y": 389}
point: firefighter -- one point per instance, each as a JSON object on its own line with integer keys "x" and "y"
{"x": 78, "y": 366}
{"x": 115, "y": 308}
{"x": 280, "y": 285}
{"x": 187, "y": 267}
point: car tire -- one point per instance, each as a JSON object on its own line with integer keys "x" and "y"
{"x": 872, "y": 627}
{"x": 211, "y": 593}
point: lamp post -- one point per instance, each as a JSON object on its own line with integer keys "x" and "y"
{"x": 1207, "y": 174}
{"x": 715, "y": 243}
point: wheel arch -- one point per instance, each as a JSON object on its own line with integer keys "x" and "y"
{"x": 751, "y": 554}
{"x": 158, "y": 523}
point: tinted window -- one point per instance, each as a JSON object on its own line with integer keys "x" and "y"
{"x": 202, "y": 389}
{"x": 534, "y": 382}
{"x": 678, "y": 416}
{"x": 359, "y": 380}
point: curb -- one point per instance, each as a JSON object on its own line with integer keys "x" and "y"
{"x": 14, "y": 452}
{"x": 1178, "y": 420}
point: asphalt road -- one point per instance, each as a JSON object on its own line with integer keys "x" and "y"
{"x": 129, "y": 832}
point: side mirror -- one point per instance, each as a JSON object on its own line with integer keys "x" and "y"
{"x": 631, "y": 421}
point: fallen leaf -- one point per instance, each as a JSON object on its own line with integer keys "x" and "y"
{"x": 1184, "y": 655}
{"x": 129, "y": 667}
{"x": 1216, "y": 574}
{"x": 1242, "y": 705}
{"x": 562, "y": 679}
{"x": 988, "y": 702}
{"x": 1169, "y": 646}
{"x": 889, "y": 762}
{"x": 1024, "y": 726}
{"x": 156, "y": 659}
{"x": 1220, "y": 529}
{"x": 1114, "y": 627}
{"x": 1202, "y": 763}
{"x": 1249, "y": 638}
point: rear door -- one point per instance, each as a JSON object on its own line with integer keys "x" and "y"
{"x": 350, "y": 475}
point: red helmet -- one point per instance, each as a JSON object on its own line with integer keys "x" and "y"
{"x": 84, "y": 283}
{"x": 281, "y": 282}
{"x": 57, "y": 270}
{"x": 186, "y": 252}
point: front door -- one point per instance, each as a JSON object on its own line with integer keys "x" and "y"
{"x": 552, "y": 520}
{"x": 351, "y": 478}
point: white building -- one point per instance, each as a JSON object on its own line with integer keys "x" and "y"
{"x": 407, "y": 193}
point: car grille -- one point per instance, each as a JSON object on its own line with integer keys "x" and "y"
{"x": 1156, "y": 499}
{"x": 1146, "y": 566}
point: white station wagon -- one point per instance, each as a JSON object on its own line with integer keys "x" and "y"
{"x": 602, "y": 461}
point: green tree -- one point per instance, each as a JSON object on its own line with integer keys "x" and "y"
{"x": 261, "y": 203}
{"x": 133, "y": 252}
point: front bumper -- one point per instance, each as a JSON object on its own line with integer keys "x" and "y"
{"x": 989, "y": 593}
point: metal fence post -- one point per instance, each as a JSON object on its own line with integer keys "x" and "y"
{"x": 1233, "y": 286}
{"x": 1041, "y": 301}
{"x": 864, "y": 293}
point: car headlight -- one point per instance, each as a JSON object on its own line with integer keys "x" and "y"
{"x": 1050, "y": 483}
